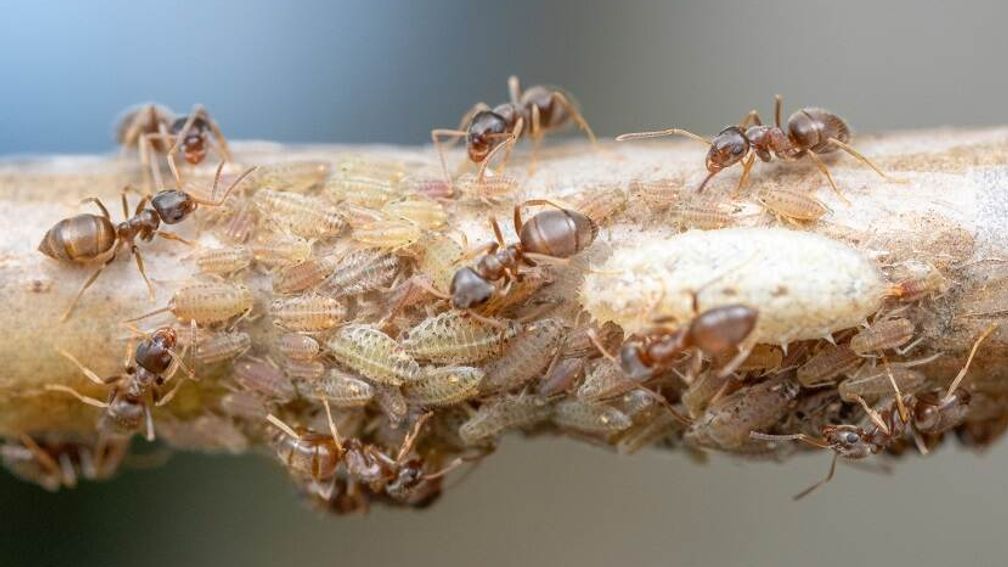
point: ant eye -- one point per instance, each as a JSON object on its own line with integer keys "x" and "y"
{"x": 850, "y": 438}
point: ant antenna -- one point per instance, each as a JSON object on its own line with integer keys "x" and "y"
{"x": 962, "y": 373}
{"x": 276, "y": 422}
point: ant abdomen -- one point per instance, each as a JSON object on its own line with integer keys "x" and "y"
{"x": 812, "y": 128}
{"x": 560, "y": 233}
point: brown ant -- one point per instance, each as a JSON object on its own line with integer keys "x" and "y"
{"x": 810, "y": 132}
{"x": 154, "y": 128}
{"x": 532, "y": 112}
{"x": 922, "y": 415}
{"x": 554, "y": 233}
{"x": 318, "y": 456}
{"x": 89, "y": 238}
{"x": 138, "y": 388}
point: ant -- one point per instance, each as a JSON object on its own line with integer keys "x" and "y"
{"x": 54, "y": 464}
{"x": 152, "y": 127}
{"x": 532, "y": 112}
{"x": 88, "y": 238}
{"x": 318, "y": 456}
{"x": 551, "y": 234}
{"x": 810, "y": 133}
{"x": 926, "y": 414}
{"x": 134, "y": 391}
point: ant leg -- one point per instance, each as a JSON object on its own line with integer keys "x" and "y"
{"x": 873, "y": 415}
{"x": 41, "y": 456}
{"x": 575, "y": 115}
{"x": 829, "y": 177}
{"x": 962, "y": 373}
{"x": 143, "y": 272}
{"x": 737, "y": 361}
{"x": 175, "y": 237}
{"x": 746, "y": 168}
{"x": 190, "y": 121}
{"x": 87, "y": 284}
{"x": 86, "y": 399}
{"x": 424, "y": 285}
{"x": 535, "y": 132}
{"x": 276, "y": 422}
{"x": 485, "y": 320}
{"x": 514, "y": 89}
{"x": 662, "y": 134}
{"x": 436, "y": 136}
{"x": 847, "y": 148}
{"x": 507, "y": 145}
{"x": 149, "y": 420}
{"x": 778, "y": 103}
{"x": 829, "y": 477}
{"x": 756, "y": 435}
{"x": 411, "y": 437}
{"x": 332, "y": 424}
{"x": 148, "y": 167}
{"x": 166, "y": 138}
{"x": 752, "y": 118}
{"x": 497, "y": 232}
{"x": 900, "y": 406}
{"x": 98, "y": 203}
{"x": 215, "y": 130}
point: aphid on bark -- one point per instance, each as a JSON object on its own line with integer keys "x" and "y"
{"x": 426, "y": 213}
{"x": 526, "y": 357}
{"x": 703, "y": 213}
{"x": 373, "y": 354}
{"x": 589, "y": 417}
{"x": 882, "y": 335}
{"x": 221, "y": 346}
{"x": 880, "y": 383}
{"x": 562, "y": 377}
{"x": 344, "y": 390}
{"x": 444, "y": 386}
{"x": 453, "y": 337}
{"x": 361, "y": 271}
{"x": 792, "y": 205}
{"x": 826, "y": 365}
{"x": 223, "y": 261}
{"x": 426, "y": 185}
{"x": 303, "y": 215}
{"x": 296, "y": 346}
{"x": 365, "y": 181}
{"x": 281, "y": 250}
{"x": 304, "y": 276}
{"x": 307, "y": 313}
{"x": 293, "y": 176}
{"x": 508, "y": 412}
{"x": 600, "y": 204}
{"x": 303, "y": 371}
{"x": 54, "y": 464}
{"x": 389, "y": 233}
{"x": 727, "y": 424}
{"x": 242, "y": 222}
{"x": 917, "y": 280}
{"x": 488, "y": 189}
{"x": 658, "y": 194}
{"x": 605, "y": 380}
{"x": 207, "y": 303}
{"x": 264, "y": 379}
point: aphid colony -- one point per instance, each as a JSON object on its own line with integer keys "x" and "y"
{"x": 339, "y": 317}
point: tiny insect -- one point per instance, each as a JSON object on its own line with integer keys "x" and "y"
{"x": 605, "y": 380}
{"x": 426, "y": 213}
{"x": 344, "y": 390}
{"x": 392, "y": 403}
{"x": 589, "y": 417}
{"x": 601, "y": 204}
{"x": 792, "y": 206}
{"x": 307, "y": 313}
{"x": 206, "y": 303}
{"x": 562, "y": 377}
{"x": 137, "y": 389}
{"x": 281, "y": 250}
{"x": 554, "y": 233}
{"x": 701, "y": 213}
{"x": 533, "y": 112}
{"x": 453, "y": 337}
{"x": 432, "y": 187}
{"x": 303, "y": 371}
{"x": 727, "y": 424}
{"x": 242, "y": 222}
{"x": 504, "y": 413}
{"x": 305, "y": 275}
{"x": 826, "y": 365}
{"x": 810, "y": 133}
{"x": 54, "y": 464}
{"x": 526, "y": 357}
{"x": 918, "y": 280}
{"x": 292, "y": 176}
{"x": 264, "y": 379}
{"x": 302, "y": 215}
{"x": 297, "y": 346}
{"x": 582, "y": 343}
{"x": 439, "y": 260}
{"x": 486, "y": 187}
{"x": 879, "y": 384}
{"x": 221, "y": 346}
{"x": 444, "y": 386}
{"x": 882, "y": 335}
{"x": 88, "y": 238}
{"x": 365, "y": 181}
{"x": 361, "y": 271}
{"x": 223, "y": 261}
{"x": 373, "y": 354}
{"x": 657, "y": 194}
{"x": 389, "y": 233}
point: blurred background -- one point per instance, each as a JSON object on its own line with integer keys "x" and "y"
{"x": 374, "y": 71}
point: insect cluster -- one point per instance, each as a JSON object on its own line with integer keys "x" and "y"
{"x": 350, "y": 314}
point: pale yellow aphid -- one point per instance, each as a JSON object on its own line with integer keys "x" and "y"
{"x": 702, "y": 212}
{"x": 600, "y": 204}
{"x": 589, "y": 417}
{"x": 879, "y": 384}
{"x": 882, "y": 335}
{"x": 426, "y": 213}
{"x": 222, "y": 346}
{"x": 344, "y": 390}
{"x": 727, "y": 424}
{"x": 526, "y": 357}
{"x": 361, "y": 271}
{"x": 658, "y": 194}
{"x": 297, "y": 346}
{"x": 207, "y": 303}
{"x": 304, "y": 275}
{"x": 792, "y": 205}
{"x": 223, "y": 261}
{"x": 444, "y": 386}
{"x": 605, "y": 380}
{"x": 827, "y": 365}
{"x": 303, "y": 371}
{"x": 390, "y": 233}
{"x": 504, "y": 413}
{"x": 281, "y": 250}
{"x": 373, "y": 354}
{"x": 265, "y": 379}
{"x": 303, "y": 215}
{"x": 307, "y": 312}
{"x": 805, "y": 286}
{"x": 439, "y": 260}
{"x": 293, "y": 176}
{"x": 490, "y": 188}
{"x": 454, "y": 337}
{"x": 361, "y": 190}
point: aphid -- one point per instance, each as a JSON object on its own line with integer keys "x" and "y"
{"x": 302, "y": 215}
{"x": 562, "y": 376}
{"x": 526, "y": 357}
{"x": 826, "y": 365}
{"x": 533, "y": 113}
{"x": 726, "y": 425}
{"x": 389, "y": 233}
{"x": 307, "y": 313}
{"x": 367, "y": 182}
{"x": 439, "y": 260}
{"x": 918, "y": 280}
{"x": 762, "y": 357}
{"x": 55, "y": 464}
{"x": 373, "y": 354}
{"x": 427, "y": 186}
{"x": 304, "y": 276}
{"x": 703, "y": 389}
{"x": 874, "y": 386}
{"x": 392, "y": 403}
{"x": 221, "y": 346}
{"x": 453, "y": 337}
{"x": 810, "y": 132}
{"x": 293, "y": 176}
{"x": 658, "y": 194}
{"x": 243, "y": 404}
{"x": 486, "y": 187}
{"x": 609, "y": 337}
{"x": 133, "y": 393}
{"x": 445, "y": 386}
{"x": 297, "y": 346}
{"x": 223, "y": 261}
{"x": 792, "y": 205}
{"x": 556, "y": 233}
{"x": 303, "y": 371}
{"x": 361, "y": 271}
{"x": 426, "y": 213}
{"x": 344, "y": 390}
{"x": 206, "y": 303}
{"x": 589, "y": 417}
{"x": 882, "y": 335}
{"x": 702, "y": 213}
{"x": 88, "y": 238}
{"x": 503, "y": 413}
{"x": 281, "y": 250}
{"x": 600, "y": 204}
{"x": 605, "y": 380}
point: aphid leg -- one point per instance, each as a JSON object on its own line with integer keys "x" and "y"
{"x": 746, "y": 168}
{"x": 436, "y": 135}
{"x": 143, "y": 272}
{"x": 67, "y": 474}
{"x": 662, "y": 134}
{"x": 332, "y": 424}
{"x": 148, "y": 314}
{"x": 276, "y": 422}
{"x": 411, "y": 437}
{"x": 167, "y": 398}
{"x": 962, "y": 373}
{"x": 847, "y": 148}
{"x": 90, "y": 374}
{"x": 87, "y": 283}
{"x": 829, "y": 477}
{"x": 815, "y": 442}
{"x": 175, "y": 237}
{"x": 67, "y": 389}
{"x": 919, "y": 442}
{"x": 829, "y": 177}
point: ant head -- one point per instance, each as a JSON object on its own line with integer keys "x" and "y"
{"x": 934, "y": 413}
{"x": 727, "y": 148}
{"x": 173, "y": 206}
{"x": 847, "y": 440}
{"x": 165, "y": 336}
{"x": 469, "y": 289}
{"x": 485, "y": 131}
{"x": 193, "y": 140}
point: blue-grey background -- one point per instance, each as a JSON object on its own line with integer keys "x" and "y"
{"x": 376, "y": 71}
